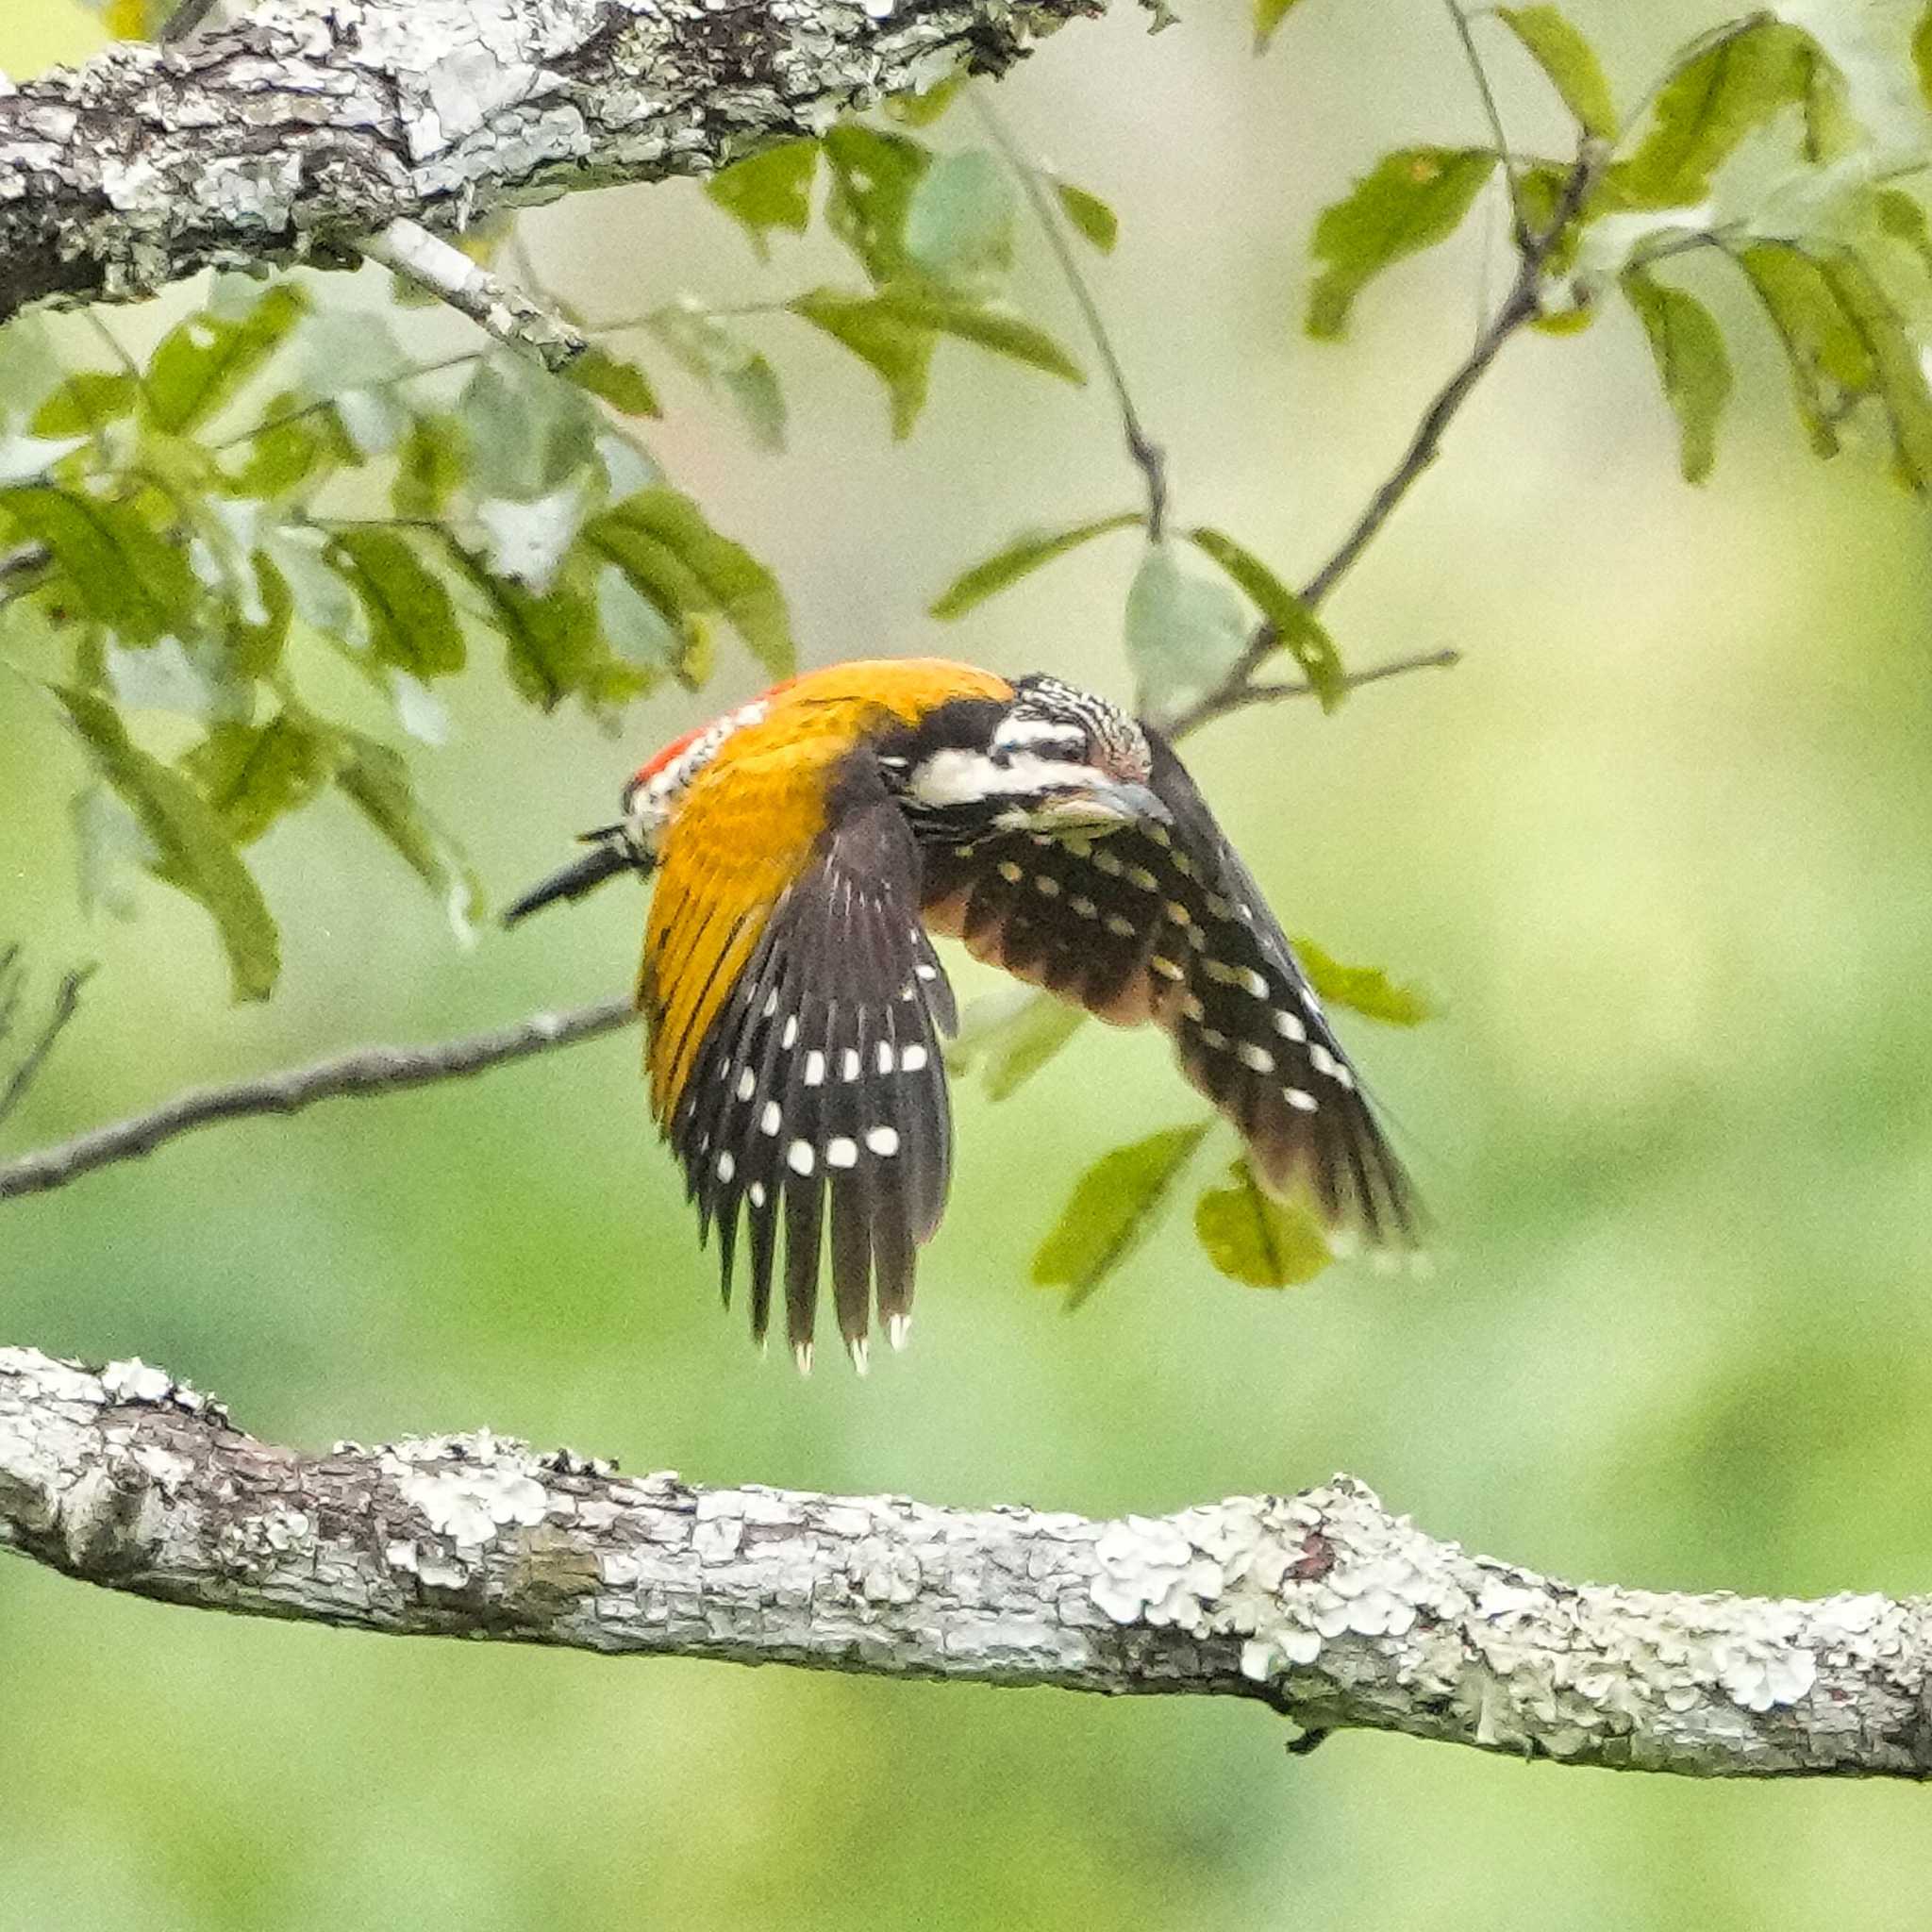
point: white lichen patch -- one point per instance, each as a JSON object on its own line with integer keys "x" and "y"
{"x": 467, "y": 1488}
{"x": 135, "y": 1381}
{"x": 1330, "y": 1582}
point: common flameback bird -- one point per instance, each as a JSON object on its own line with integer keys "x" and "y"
{"x": 806, "y": 844}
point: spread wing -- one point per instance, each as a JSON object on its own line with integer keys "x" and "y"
{"x": 815, "y": 1073}
{"x": 1148, "y": 925}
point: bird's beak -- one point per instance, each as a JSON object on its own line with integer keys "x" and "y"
{"x": 607, "y": 856}
{"x": 1107, "y": 806}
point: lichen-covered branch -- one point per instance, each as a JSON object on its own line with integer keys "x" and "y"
{"x": 1322, "y": 1605}
{"x": 302, "y": 130}
{"x": 407, "y": 249}
{"x": 367, "y": 1070}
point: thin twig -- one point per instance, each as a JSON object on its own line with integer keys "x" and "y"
{"x": 1224, "y": 701}
{"x": 115, "y": 346}
{"x": 1519, "y": 223}
{"x": 366, "y": 1071}
{"x": 1521, "y": 305}
{"x": 283, "y": 418}
{"x": 1147, "y": 454}
{"x": 66, "y": 1004}
{"x": 12, "y": 979}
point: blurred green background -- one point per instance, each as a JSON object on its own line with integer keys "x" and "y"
{"x": 1663, "y": 844}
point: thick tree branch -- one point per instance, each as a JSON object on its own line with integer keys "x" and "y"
{"x": 1324, "y": 1605}
{"x": 301, "y": 130}
{"x": 366, "y": 1071}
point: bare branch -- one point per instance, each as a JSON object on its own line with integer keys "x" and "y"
{"x": 300, "y": 131}
{"x": 1147, "y": 455}
{"x": 1223, "y": 701}
{"x": 1324, "y": 1606}
{"x": 1521, "y": 305}
{"x": 1519, "y": 223}
{"x": 66, "y": 1004}
{"x": 408, "y": 248}
{"x": 368, "y": 1070}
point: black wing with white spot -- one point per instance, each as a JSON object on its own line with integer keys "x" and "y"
{"x": 822, "y": 1077}
{"x": 1147, "y": 923}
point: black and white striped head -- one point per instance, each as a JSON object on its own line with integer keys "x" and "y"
{"x": 1052, "y": 760}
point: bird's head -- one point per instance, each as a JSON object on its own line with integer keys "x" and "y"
{"x": 1051, "y": 759}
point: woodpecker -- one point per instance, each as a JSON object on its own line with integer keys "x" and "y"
{"x": 805, "y": 847}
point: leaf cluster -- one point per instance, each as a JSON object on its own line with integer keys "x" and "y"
{"x": 276, "y": 487}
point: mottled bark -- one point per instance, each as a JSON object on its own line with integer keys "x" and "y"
{"x": 1324, "y": 1606}
{"x": 305, "y": 128}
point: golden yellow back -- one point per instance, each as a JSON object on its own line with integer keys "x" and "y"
{"x": 745, "y": 830}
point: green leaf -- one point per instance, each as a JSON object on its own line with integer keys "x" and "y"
{"x": 637, "y": 630}
{"x": 1830, "y": 366}
{"x": 1365, "y": 989}
{"x": 1690, "y": 363}
{"x": 1112, "y": 1210}
{"x": 253, "y": 773}
{"x": 254, "y": 649}
{"x": 192, "y": 850}
{"x": 960, "y": 222}
{"x": 191, "y": 680}
{"x": 120, "y": 569}
{"x": 1269, "y": 14}
{"x": 1899, "y": 376}
{"x": 1568, "y": 61}
{"x": 1410, "y": 201}
{"x": 202, "y": 362}
{"x": 874, "y": 176}
{"x": 528, "y": 540}
{"x": 86, "y": 401}
{"x": 30, "y": 365}
{"x": 552, "y": 646}
{"x": 1727, "y": 85}
{"x": 893, "y": 332}
{"x": 1922, "y": 54}
{"x": 712, "y": 573}
{"x": 430, "y": 463}
{"x": 769, "y": 191}
{"x": 922, "y": 110}
{"x": 717, "y": 358}
{"x": 528, "y": 433}
{"x": 621, "y": 384}
{"x": 1902, "y": 220}
{"x": 898, "y": 351}
{"x": 1255, "y": 1239}
{"x": 354, "y": 367}
{"x": 292, "y": 447}
{"x": 1183, "y": 633}
{"x": 993, "y": 328}
{"x": 377, "y": 780}
{"x": 412, "y": 623}
{"x": 108, "y": 843}
{"x": 1025, "y": 555}
{"x": 1300, "y": 632}
{"x": 1092, "y": 218}
{"x": 1012, "y": 1033}
{"x": 1831, "y": 129}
